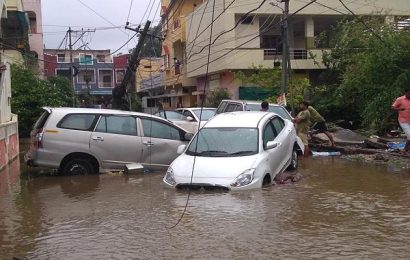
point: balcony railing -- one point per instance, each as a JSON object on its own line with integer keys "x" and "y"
{"x": 295, "y": 54}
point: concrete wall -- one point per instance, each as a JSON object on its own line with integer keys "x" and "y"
{"x": 9, "y": 142}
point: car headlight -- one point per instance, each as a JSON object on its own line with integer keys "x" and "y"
{"x": 244, "y": 178}
{"x": 169, "y": 177}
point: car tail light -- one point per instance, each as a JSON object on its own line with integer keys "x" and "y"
{"x": 38, "y": 138}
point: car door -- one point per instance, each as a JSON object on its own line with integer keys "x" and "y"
{"x": 275, "y": 155}
{"x": 283, "y": 136}
{"x": 115, "y": 141}
{"x": 160, "y": 142}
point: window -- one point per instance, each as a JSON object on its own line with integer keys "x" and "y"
{"x": 167, "y": 64}
{"x": 86, "y": 59}
{"x": 247, "y": 19}
{"x": 101, "y": 58}
{"x": 269, "y": 134}
{"x": 221, "y": 107}
{"x": 156, "y": 129}
{"x": 86, "y": 76}
{"x": 278, "y": 124}
{"x": 105, "y": 79}
{"x": 77, "y": 121}
{"x": 61, "y": 57}
{"x": 176, "y": 24}
{"x": 124, "y": 125}
{"x": 63, "y": 73}
{"x": 119, "y": 75}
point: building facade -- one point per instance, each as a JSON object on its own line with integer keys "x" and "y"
{"x": 95, "y": 72}
{"x": 240, "y": 43}
{"x": 35, "y": 36}
{"x": 13, "y": 44}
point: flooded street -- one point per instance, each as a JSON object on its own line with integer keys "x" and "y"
{"x": 340, "y": 209}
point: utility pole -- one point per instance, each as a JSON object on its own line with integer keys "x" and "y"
{"x": 70, "y": 47}
{"x": 285, "y": 49}
{"x": 119, "y": 94}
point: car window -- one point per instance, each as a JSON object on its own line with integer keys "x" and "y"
{"x": 187, "y": 114}
{"x": 171, "y": 115}
{"x": 269, "y": 134}
{"x": 206, "y": 114}
{"x": 41, "y": 120}
{"x": 280, "y": 111}
{"x": 77, "y": 121}
{"x": 156, "y": 129}
{"x": 278, "y": 124}
{"x": 221, "y": 107}
{"x": 233, "y": 107}
{"x": 124, "y": 125}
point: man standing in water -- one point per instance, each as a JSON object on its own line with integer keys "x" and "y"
{"x": 319, "y": 124}
{"x": 402, "y": 104}
{"x": 302, "y": 121}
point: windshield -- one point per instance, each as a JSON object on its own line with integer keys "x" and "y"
{"x": 171, "y": 115}
{"x": 275, "y": 109}
{"x": 206, "y": 113}
{"x": 224, "y": 142}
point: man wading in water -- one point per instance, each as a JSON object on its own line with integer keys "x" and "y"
{"x": 302, "y": 121}
{"x": 319, "y": 124}
{"x": 402, "y": 104}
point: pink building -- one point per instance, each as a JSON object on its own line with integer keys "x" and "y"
{"x": 33, "y": 10}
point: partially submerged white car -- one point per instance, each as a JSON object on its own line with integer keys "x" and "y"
{"x": 236, "y": 151}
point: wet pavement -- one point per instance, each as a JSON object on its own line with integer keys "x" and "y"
{"x": 340, "y": 210}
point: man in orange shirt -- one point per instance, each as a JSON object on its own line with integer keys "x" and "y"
{"x": 402, "y": 104}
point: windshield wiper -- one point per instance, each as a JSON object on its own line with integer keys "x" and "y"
{"x": 241, "y": 153}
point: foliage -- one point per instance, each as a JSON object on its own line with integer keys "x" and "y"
{"x": 367, "y": 70}
{"x": 153, "y": 45}
{"x": 136, "y": 103}
{"x": 30, "y": 94}
{"x": 259, "y": 76}
{"x": 214, "y": 97}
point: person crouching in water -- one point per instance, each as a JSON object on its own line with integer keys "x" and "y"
{"x": 302, "y": 121}
{"x": 319, "y": 124}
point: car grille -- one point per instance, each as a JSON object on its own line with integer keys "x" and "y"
{"x": 201, "y": 186}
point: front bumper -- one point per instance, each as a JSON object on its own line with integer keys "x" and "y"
{"x": 212, "y": 183}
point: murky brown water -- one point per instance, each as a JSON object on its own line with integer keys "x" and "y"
{"x": 340, "y": 209}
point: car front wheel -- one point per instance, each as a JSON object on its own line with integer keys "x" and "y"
{"x": 78, "y": 167}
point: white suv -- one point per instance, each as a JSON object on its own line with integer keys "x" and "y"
{"x": 83, "y": 140}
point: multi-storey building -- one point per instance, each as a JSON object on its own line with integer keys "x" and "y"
{"x": 256, "y": 40}
{"x": 13, "y": 44}
{"x": 94, "y": 69}
{"x": 178, "y": 88}
{"x": 35, "y": 36}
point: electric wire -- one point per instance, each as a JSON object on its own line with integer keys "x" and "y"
{"x": 129, "y": 11}
{"x": 200, "y": 117}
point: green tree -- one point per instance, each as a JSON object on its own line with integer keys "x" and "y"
{"x": 153, "y": 44}
{"x": 30, "y": 94}
{"x": 259, "y": 76}
{"x": 366, "y": 69}
{"x": 214, "y": 97}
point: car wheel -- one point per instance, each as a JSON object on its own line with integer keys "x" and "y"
{"x": 293, "y": 160}
{"x": 78, "y": 167}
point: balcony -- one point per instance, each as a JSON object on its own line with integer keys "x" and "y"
{"x": 275, "y": 54}
{"x": 15, "y": 31}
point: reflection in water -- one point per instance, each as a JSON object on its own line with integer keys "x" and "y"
{"x": 339, "y": 209}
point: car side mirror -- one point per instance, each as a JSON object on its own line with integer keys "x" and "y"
{"x": 181, "y": 149}
{"x": 188, "y": 136}
{"x": 271, "y": 145}
{"x": 189, "y": 118}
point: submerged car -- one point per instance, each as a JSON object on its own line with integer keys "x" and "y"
{"x": 188, "y": 118}
{"x": 228, "y": 105}
{"x": 235, "y": 151}
{"x": 84, "y": 140}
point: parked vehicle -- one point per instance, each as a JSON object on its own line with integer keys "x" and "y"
{"x": 235, "y": 151}
{"x": 227, "y": 105}
{"x": 188, "y": 118}
{"x": 83, "y": 140}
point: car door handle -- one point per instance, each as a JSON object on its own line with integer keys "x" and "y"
{"x": 148, "y": 143}
{"x": 98, "y": 138}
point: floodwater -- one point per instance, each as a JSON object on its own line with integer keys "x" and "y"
{"x": 339, "y": 210}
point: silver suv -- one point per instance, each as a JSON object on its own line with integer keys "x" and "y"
{"x": 83, "y": 140}
{"x": 227, "y": 105}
